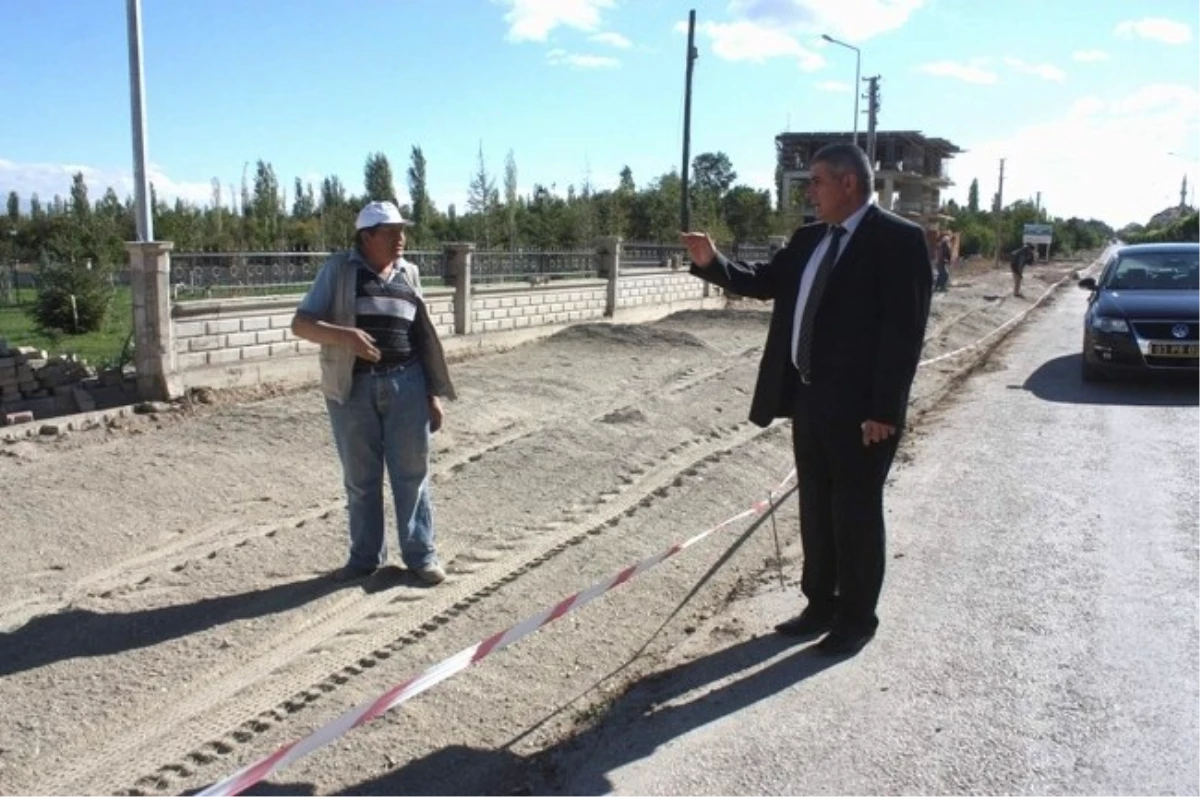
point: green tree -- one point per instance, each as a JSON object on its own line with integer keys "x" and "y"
{"x": 480, "y": 201}
{"x": 622, "y": 203}
{"x": 72, "y": 298}
{"x": 510, "y": 198}
{"x": 304, "y": 205}
{"x": 378, "y": 179}
{"x": 713, "y": 174}
{"x": 265, "y": 206}
{"x": 35, "y": 206}
{"x": 333, "y": 193}
{"x": 748, "y": 213}
{"x": 80, "y": 205}
{"x": 973, "y": 196}
{"x": 418, "y": 194}
{"x": 655, "y": 216}
{"x": 14, "y": 207}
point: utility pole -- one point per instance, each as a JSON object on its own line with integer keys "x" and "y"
{"x": 999, "y": 207}
{"x": 137, "y": 100}
{"x": 685, "y": 220}
{"x": 872, "y": 115}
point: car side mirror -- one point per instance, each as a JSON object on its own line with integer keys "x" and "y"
{"x": 1088, "y": 283}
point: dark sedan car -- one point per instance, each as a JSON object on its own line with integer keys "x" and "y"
{"x": 1144, "y": 312}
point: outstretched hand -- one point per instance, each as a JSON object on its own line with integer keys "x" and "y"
{"x": 699, "y": 246}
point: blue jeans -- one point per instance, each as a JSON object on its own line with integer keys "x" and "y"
{"x": 943, "y": 277}
{"x": 386, "y": 421}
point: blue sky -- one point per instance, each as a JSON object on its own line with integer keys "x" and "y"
{"x": 1095, "y": 103}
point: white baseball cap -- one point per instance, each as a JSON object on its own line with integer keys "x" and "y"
{"x": 376, "y": 213}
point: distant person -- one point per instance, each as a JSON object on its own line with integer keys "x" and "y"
{"x": 1018, "y": 259}
{"x": 851, "y": 300}
{"x": 384, "y": 375}
{"x": 945, "y": 253}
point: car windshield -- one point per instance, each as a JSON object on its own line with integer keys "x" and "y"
{"x": 1156, "y": 271}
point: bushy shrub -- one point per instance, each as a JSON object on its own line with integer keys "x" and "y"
{"x": 91, "y": 289}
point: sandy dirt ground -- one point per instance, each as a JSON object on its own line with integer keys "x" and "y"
{"x": 165, "y": 619}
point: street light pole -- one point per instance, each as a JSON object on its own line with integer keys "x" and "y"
{"x": 137, "y": 101}
{"x": 857, "y": 76}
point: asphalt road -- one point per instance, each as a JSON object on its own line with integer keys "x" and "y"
{"x": 1039, "y": 620}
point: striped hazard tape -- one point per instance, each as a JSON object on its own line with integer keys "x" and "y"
{"x": 361, "y": 715}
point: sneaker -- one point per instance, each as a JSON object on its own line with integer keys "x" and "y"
{"x": 347, "y": 573}
{"x": 431, "y": 574}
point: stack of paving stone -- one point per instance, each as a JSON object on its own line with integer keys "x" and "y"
{"x": 35, "y": 386}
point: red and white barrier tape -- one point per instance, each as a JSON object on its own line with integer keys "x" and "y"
{"x": 360, "y": 715}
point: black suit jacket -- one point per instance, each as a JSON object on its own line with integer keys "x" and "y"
{"x": 869, "y": 327}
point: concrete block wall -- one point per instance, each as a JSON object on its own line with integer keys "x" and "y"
{"x": 440, "y": 302}
{"x": 659, "y": 287}
{"x": 214, "y": 332}
{"x": 497, "y": 308}
{"x": 248, "y": 341}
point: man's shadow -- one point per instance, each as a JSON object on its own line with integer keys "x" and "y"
{"x": 80, "y": 632}
{"x": 643, "y": 718}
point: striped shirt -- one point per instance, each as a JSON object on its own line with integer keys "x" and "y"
{"x": 387, "y": 311}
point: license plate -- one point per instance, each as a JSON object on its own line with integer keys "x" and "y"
{"x": 1174, "y": 349}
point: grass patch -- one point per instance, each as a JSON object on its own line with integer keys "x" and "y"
{"x": 98, "y": 348}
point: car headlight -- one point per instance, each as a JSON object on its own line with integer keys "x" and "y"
{"x": 1105, "y": 324}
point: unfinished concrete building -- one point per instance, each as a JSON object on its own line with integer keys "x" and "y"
{"x": 910, "y": 170}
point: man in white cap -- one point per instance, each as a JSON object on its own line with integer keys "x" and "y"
{"x": 383, "y": 374}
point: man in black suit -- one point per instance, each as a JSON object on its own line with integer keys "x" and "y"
{"x": 851, "y": 300}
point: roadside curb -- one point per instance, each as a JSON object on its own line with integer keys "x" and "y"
{"x": 65, "y": 423}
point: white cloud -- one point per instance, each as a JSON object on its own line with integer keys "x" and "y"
{"x": 560, "y": 57}
{"x": 855, "y": 20}
{"x": 1159, "y": 29}
{"x": 748, "y": 41}
{"x": 761, "y": 30}
{"x": 1044, "y": 71}
{"x": 614, "y": 39}
{"x": 834, "y": 86}
{"x": 1110, "y": 159}
{"x": 1090, "y": 56}
{"x": 48, "y": 179}
{"x": 972, "y": 72}
{"x": 533, "y": 20}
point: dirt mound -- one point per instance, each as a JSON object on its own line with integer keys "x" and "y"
{"x": 625, "y": 335}
{"x": 737, "y": 315}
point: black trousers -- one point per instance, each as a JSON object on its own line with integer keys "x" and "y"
{"x": 841, "y": 512}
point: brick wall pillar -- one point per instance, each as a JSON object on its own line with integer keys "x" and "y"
{"x": 153, "y": 333}
{"x": 608, "y": 251}
{"x": 458, "y": 273}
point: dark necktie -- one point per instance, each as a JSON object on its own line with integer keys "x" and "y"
{"x": 815, "y": 291}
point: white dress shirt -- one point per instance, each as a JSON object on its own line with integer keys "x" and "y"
{"x": 806, "y": 280}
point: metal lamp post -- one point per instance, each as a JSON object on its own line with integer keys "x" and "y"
{"x": 857, "y": 78}
{"x": 137, "y": 101}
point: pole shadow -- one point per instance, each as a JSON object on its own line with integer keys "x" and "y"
{"x": 78, "y": 633}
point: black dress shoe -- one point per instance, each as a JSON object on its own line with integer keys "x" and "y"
{"x": 808, "y": 623}
{"x": 844, "y": 642}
